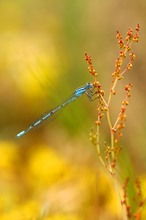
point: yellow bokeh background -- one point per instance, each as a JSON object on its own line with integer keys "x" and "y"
{"x": 53, "y": 172}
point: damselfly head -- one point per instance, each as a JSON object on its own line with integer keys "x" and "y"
{"x": 89, "y": 85}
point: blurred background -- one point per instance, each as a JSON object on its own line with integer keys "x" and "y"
{"x": 53, "y": 172}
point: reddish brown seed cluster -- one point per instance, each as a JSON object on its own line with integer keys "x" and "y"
{"x": 125, "y": 48}
{"x": 138, "y": 200}
{"x": 136, "y": 36}
{"x": 97, "y": 90}
{"x": 122, "y": 115}
{"x": 92, "y": 71}
{"x": 125, "y": 199}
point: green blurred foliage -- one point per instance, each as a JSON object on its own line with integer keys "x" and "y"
{"x": 42, "y": 45}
